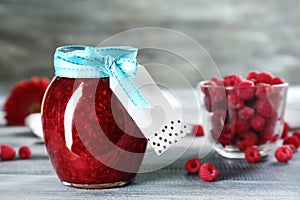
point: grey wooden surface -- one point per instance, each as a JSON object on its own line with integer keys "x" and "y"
{"x": 35, "y": 178}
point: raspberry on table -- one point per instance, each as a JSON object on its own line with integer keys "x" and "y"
{"x": 297, "y": 134}
{"x": 24, "y": 152}
{"x": 246, "y": 113}
{"x": 193, "y": 165}
{"x": 285, "y": 131}
{"x": 292, "y": 147}
{"x": 208, "y": 172}
{"x": 257, "y": 123}
{"x": 264, "y": 77}
{"x": 7, "y": 152}
{"x": 197, "y": 130}
{"x": 232, "y": 80}
{"x": 245, "y": 90}
{"x": 294, "y": 140}
{"x": 252, "y": 155}
{"x": 283, "y": 154}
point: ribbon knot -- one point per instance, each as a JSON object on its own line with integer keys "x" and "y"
{"x": 128, "y": 67}
{"x": 89, "y": 62}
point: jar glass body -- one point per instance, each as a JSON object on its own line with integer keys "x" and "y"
{"x": 91, "y": 139}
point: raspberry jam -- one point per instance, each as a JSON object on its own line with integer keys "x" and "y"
{"x": 91, "y": 140}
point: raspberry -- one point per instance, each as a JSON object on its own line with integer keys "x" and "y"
{"x": 297, "y": 134}
{"x": 251, "y": 113}
{"x": 223, "y": 136}
{"x": 263, "y": 90}
{"x": 276, "y": 81}
{"x": 264, "y": 77}
{"x": 246, "y": 140}
{"x": 197, "y": 130}
{"x": 257, "y": 122}
{"x": 286, "y": 129}
{"x": 232, "y": 80}
{"x": 193, "y": 165}
{"x": 25, "y": 98}
{"x": 239, "y": 125}
{"x": 246, "y": 113}
{"x": 264, "y": 108}
{"x": 234, "y": 102}
{"x": 245, "y": 90}
{"x": 24, "y": 152}
{"x": 7, "y": 152}
{"x": 208, "y": 172}
{"x": 294, "y": 140}
{"x": 252, "y": 75}
{"x": 292, "y": 147}
{"x": 283, "y": 154}
{"x": 252, "y": 155}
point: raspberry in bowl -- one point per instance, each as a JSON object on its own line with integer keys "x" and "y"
{"x": 243, "y": 112}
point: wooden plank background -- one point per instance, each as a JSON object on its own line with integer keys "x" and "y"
{"x": 238, "y": 34}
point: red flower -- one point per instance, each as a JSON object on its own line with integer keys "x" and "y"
{"x": 25, "y": 98}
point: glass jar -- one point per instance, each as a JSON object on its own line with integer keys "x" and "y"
{"x": 233, "y": 124}
{"x": 91, "y": 139}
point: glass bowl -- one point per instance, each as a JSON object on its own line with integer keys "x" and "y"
{"x": 235, "y": 118}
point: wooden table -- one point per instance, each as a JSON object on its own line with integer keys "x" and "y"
{"x": 35, "y": 178}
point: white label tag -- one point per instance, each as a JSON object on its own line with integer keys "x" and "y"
{"x": 161, "y": 124}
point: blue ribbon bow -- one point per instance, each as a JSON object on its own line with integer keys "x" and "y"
{"x": 99, "y": 62}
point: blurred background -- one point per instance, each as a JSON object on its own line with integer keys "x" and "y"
{"x": 239, "y": 35}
